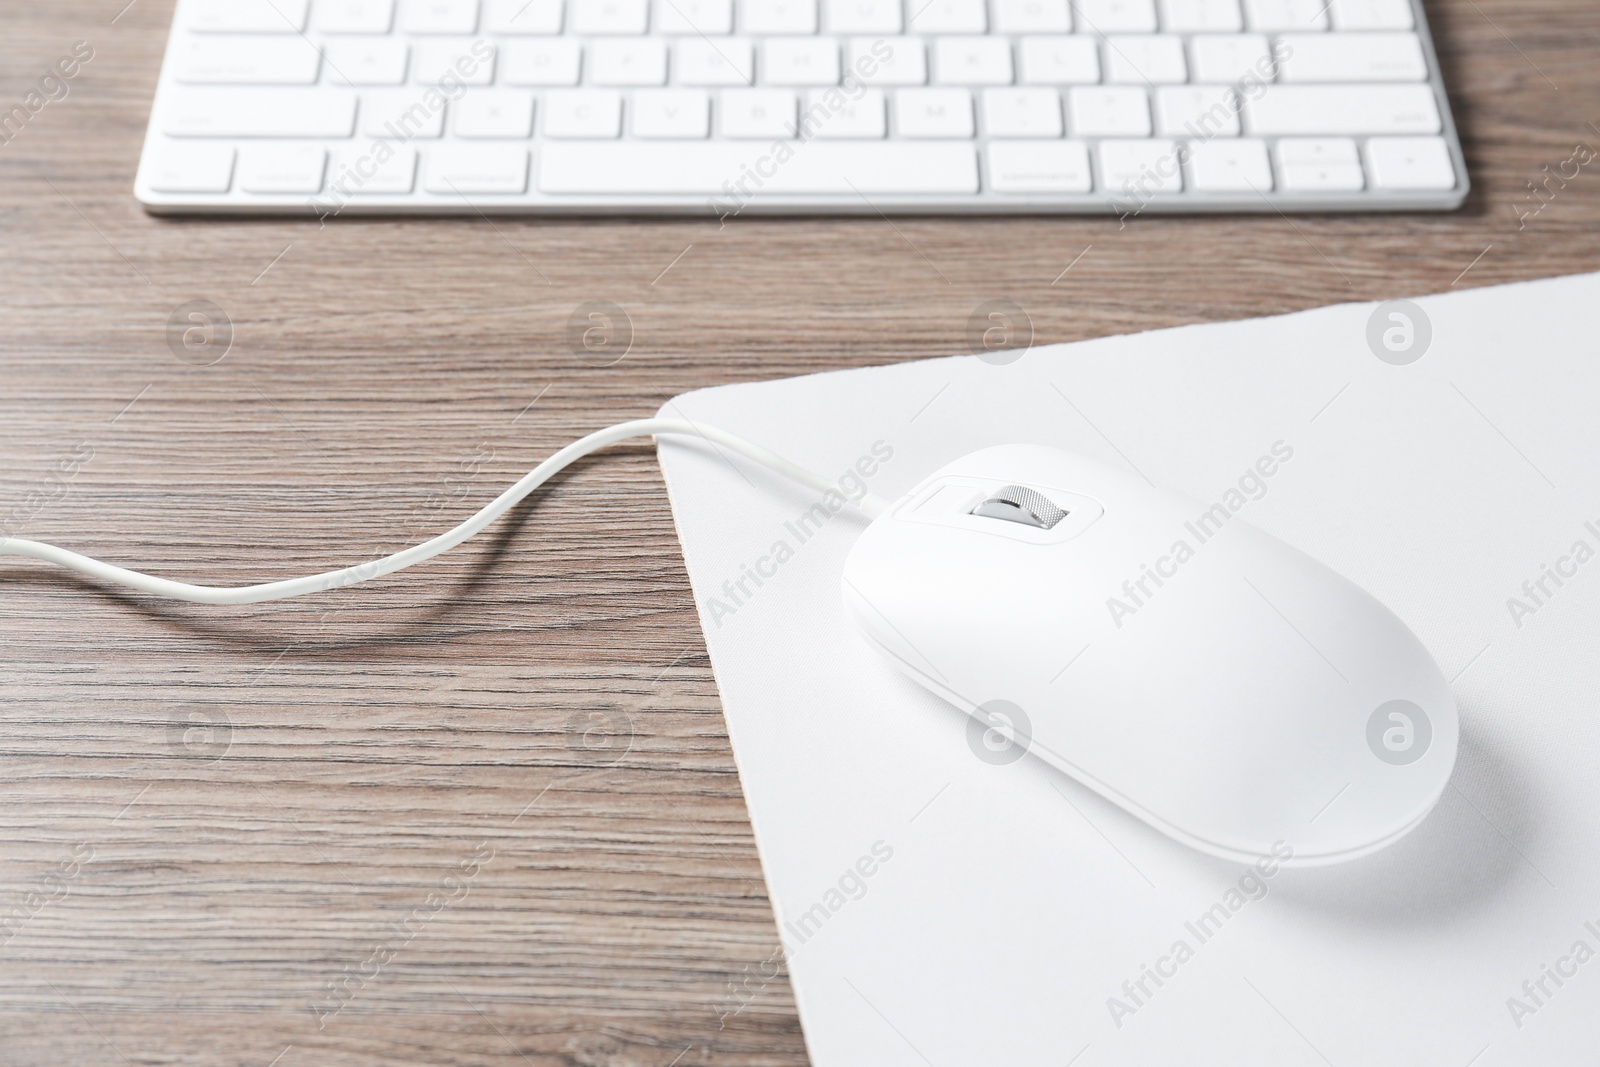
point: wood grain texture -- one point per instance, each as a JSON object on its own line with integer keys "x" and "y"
{"x": 486, "y": 813}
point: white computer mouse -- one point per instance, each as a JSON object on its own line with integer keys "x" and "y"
{"x": 1216, "y": 682}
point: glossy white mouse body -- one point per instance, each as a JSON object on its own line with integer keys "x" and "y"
{"x": 1212, "y": 680}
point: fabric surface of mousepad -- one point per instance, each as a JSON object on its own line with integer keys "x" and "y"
{"x": 937, "y": 907}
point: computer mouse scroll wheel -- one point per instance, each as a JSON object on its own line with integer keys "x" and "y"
{"x": 1018, "y": 503}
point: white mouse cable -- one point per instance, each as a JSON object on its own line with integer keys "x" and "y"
{"x": 870, "y": 505}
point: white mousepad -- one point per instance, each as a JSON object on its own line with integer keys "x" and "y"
{"x": 940, "y": 907}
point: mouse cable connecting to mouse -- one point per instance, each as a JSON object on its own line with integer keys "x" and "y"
{"x": 870, "y": 505}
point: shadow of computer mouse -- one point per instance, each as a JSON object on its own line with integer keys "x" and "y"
{"x": 1215, "y": 682}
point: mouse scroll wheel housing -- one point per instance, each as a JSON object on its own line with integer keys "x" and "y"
{"x": 1018, "y": 503}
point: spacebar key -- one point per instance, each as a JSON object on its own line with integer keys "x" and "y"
{"x": 742, "y": 171}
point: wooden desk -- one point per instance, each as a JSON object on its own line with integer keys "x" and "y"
{"x": 486, "y": 813}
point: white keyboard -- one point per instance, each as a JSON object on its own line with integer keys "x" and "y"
{"x": 723, "y": 107}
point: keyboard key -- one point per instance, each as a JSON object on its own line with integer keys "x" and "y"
{"x": 1154, "y": 59}
{"x": 1230, "y": 165}
{"x": 439, "y": 16}
{"x": 282, "y": 169}
{"x": 1276, "y": 15}
{"x": 609, "y": 17}
{"x": 1032, "y": 16}
{"x": 726, "y": 61}
{"x": 889, "y": 61}
{"x": 861, "y": 118}
{"x": 1372, "y": 14}
{"x": 679, "y": 113}
{"x": 1410, "y": 163}
{"x": 1321, "y": 178}
{"x": 1342, "y": 109}
{"x": 800, "y": 61}
{"x": 1109, "y": 111}
{"x": 1038, "y": 167}
{"x": 477, "y": 169}
{"x": 1059, "y": 61}
{"x": 230, "y": 112}
{"x": 933, "y": 113}
{"x": 1352, "y": 57}
{"x": 367, "y": 61}
{"x": 1140, "y": 169}
{"x": 552, "y": 62}
{"x": 524, "y": 17}
{"x": 778, "y": 17}
{"x": 463, "y": 59}
{"x": 1201, "y": 16}
{"x": 856, "y": 119}
{"x": 863, "y": 16}
{"x": 190, "y": 167}
{"x": 768, "y": 114}
{"x": 402, "y": 113}
{"x": 354, "y": 16}
{"x": 640, "y": 61}
{"x": 677, "y": 17}
{"x": 948, "y": 16}
{"x": 972, "y": 60}
{"x": 583, "y": 113}
{"x": 1318, "y": 150}
{"x": 247, "y": 16}
{"x": 370, "y": 171}
{"x": 1228, "y": 58}
{"x": 483, "y": 113}
{"x": 1021, "y": 113}
{"x": 1202, "y": 111}
{"x": 818, "y": 167}
{"x": 246, "y": 60}
{"x": 1115, "y": 16}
